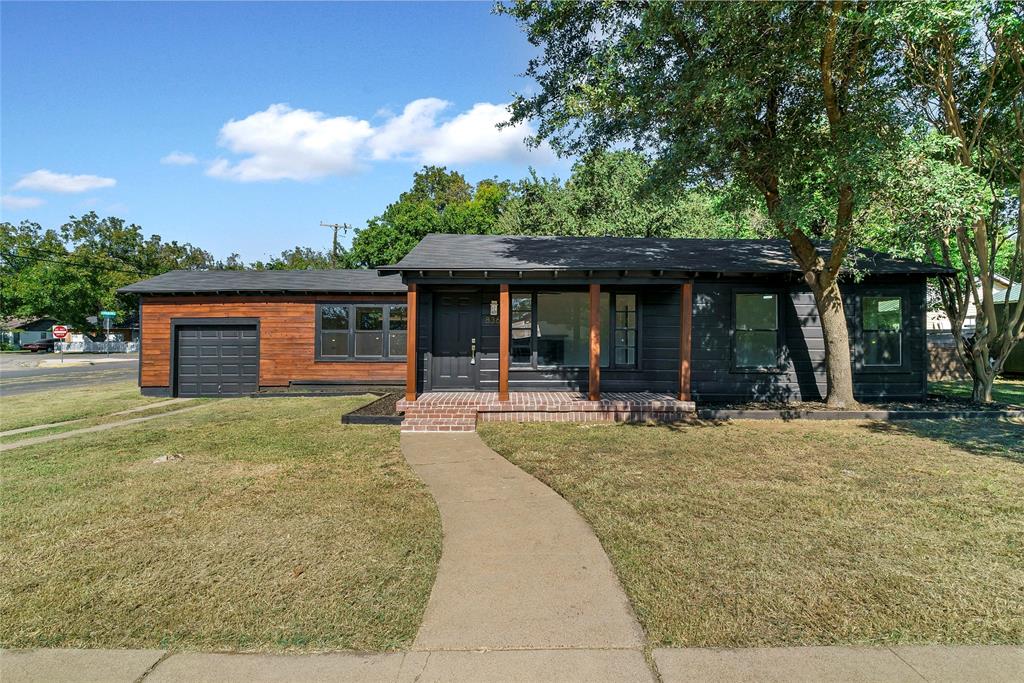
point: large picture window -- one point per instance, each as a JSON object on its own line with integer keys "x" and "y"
{"x": 552, "y": 329}
{"x": 563, "y": 329}
{"x": 882, "y": 325}
{"x": 756, "y": 330}
{"x": 362, "y": 331}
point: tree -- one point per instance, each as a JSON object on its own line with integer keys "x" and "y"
{"x": 439, "y": 201}
{"x": 787, "y": 100}
{"x": 298, "y": 258}
{"x": 73, "y": 272}
{"x": 963, "y": 73}
{"x": 610, "y": 194}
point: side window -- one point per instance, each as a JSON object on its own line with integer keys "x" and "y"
{"x": 398, "y": 324}
{"x": 625, "y": 330}
{"x": 882, "y": 326}
{"x": 522, "y": 328}
{"x": 334, "y": 331}
{"x": 756, "y": 333}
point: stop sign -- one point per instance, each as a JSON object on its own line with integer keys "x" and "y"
{"x": 60, "y": 331}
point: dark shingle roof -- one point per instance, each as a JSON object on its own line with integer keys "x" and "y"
{"x": 228, "y": 281}
{"x": 519, "y": 253}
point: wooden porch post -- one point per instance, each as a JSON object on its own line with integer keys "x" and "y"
{"x": 595, "y": 343}
{"x": 685, "y": 335}
{"x": 411, "y": 363}
{"x": 505, "y": 340}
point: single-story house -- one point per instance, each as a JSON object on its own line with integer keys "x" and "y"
{"x": 702, "y": 320}
{"x": 18, "y": 331}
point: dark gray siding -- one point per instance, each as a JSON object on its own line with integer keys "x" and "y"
{"x": 801, "y": 375}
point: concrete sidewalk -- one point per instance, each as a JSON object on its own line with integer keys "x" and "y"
{"x": 936, "y": 664}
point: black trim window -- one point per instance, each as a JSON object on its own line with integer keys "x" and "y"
{"x": 361, "y": 331}
{"x": 521, "y": 318}
{"x": 625, "y": 330}
{"x": 551, "y": 329}
{"x": 756, "y": 333}
{"x": 882, "y": 325}
{"x": 335, "y": 331}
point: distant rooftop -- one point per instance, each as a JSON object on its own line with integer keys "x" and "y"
{"x": 512, "y": 253}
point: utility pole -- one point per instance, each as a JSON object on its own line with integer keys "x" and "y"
{"x": 334, "y": 245}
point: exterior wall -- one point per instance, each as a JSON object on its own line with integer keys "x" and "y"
{"x": 801, "y": 376}
{"x": 287, "y": 338}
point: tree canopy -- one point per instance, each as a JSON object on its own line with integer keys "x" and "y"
{"x": 73, "y": 272}
{"x": 790, "y": 101}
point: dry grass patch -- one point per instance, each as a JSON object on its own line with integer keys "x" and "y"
{"x": 280, "y": 529}
{"x": 774, "y": 533}
{"x": 36, "y": 408}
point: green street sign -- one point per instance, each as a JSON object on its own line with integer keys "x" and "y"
{"x": 108, "y": 314}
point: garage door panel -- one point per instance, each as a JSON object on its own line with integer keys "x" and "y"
{"x": 217, "y": 360}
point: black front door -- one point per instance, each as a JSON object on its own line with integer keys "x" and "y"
{"x": 456, "y": 330}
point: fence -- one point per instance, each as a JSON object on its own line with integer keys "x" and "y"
{"x": 88, "y": 346}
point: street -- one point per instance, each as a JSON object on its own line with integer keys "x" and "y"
{"x": 23, "y": 373}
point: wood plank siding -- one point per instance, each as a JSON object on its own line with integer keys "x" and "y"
{"x": 287, "y": 337}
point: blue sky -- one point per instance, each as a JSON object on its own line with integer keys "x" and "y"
{"x": 239, "y": 127}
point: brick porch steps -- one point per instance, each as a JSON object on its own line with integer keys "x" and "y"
{"x": 460, "y": 411}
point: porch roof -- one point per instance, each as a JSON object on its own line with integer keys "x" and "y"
{"x": 516, "y": 253}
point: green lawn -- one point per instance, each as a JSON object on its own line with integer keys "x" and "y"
{"x": 26, "y": 410}
{"x": 787, "y": 533}
{"x": 1008, "y": 391}
{"x": 280, "y": 529}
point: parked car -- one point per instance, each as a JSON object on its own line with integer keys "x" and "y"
{"x": 41, "y": 345}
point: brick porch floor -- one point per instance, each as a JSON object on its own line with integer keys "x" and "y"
{"x": 459, "y": 411}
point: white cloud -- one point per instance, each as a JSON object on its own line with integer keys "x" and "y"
{"x": 48, "y": 181}
{"x": 474, "y": 136}
{"x": 294, "y": 144}
{"x": 297, "y": 144}
{"x": 11, "y": 201}
{"x": 412, "y": 130}
{"x": 177, "y": 158}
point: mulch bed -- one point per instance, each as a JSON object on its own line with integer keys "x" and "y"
{"x": 381, "y": 411}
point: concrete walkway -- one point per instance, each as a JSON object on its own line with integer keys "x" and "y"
{"x": 64, "y": 423}
{"x": 88, "y": 430}
{"x": 520, "y": 569}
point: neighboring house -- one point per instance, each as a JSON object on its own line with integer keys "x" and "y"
{"x": 938, "y": 321}
{"x": 18, "y": 331}
{"x": 707, "y": 319}
{"x": 1015, "y": 361}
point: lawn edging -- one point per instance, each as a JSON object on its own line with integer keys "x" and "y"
{"x": 888, "y": 415}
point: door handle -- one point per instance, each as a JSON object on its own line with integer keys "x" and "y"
{"x": 472, "y": 351}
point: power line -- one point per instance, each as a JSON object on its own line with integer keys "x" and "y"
{"x": 72, "y": 254}
{"x": 67, "y": 262}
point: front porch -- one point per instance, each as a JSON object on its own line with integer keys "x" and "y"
{"x": 459, "y": 411}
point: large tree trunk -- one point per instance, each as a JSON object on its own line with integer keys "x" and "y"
{"x": 838, "y": 366}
